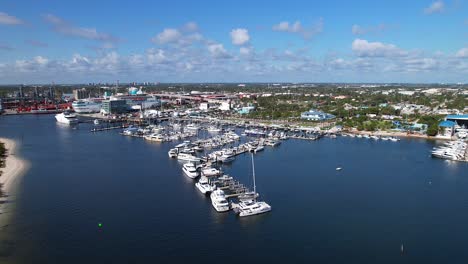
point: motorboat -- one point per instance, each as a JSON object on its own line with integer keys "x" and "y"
{"x": 172, "y": 153}
{"x": 219, "y": 201}
{"x": 190, "y": 170}
{"x": 210, "y": 171}
{"x": 259, "y": 148}
{"x": 248, "y": 196}
{"x": 226, "y": 158}
{"x": 66, "y": 118}
{"x": 155, "y": 137}
{"x": 192, "y": 127}
{"x": 204, "y": 186}
{"x": 130, "y": 131}
{"x": 272, "y": 143}
{"x": 214, "y": 129}
{"x": 188, "y": 157}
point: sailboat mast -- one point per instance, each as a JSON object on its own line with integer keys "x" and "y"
{"x": 253, "y": 174}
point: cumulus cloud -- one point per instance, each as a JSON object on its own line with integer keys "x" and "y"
{"x": 360, "y": 30}
{"x": 190, "y": 27}
{"x": 245, "y": 51}
{"x": 63, "y": 27}
{"x": 184, "y": 36}
{"x": 462, "y": 53}
{"x": 6, "y": 19}
{"x": 364, "y": 48}
{"x": 218, "y": 51}
{"x": 168, "y": 35}
{"x": 297, "y": 28}
{"x": 435, "y": 7}
{"x": 239, "y": 36}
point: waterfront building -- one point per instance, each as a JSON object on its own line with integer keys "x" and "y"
{"x": 114, "y": 107}
{"x": 79, "y": 94}
{"x": 316, "y": 115}
{"x": 225, "y": 106}
{"x": 461, "y": 120}
{"x": 446, "y": 129}
{"x": 246, "y": 110}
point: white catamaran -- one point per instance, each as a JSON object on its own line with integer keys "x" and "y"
{"x": 252, "y": 207}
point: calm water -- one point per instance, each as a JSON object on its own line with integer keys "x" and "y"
{"x": 387, "y": 194}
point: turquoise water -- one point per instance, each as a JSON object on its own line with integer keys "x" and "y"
{"x": 387, "y": 194}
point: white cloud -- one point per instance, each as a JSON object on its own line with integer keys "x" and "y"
{"x": 168, "y": 35}
{"x": 360, "y": 30}
{"x": 364, "y": 48}
{"x": 239, "y": 36}
{"x": 297, "y": 28}
{"x": 190, "y": 27}
{"x": 6, "y": 19}
{"x": 245, "y": 51}
{"x": 181, "y": 37}
{"x": 462, "y": 53}
{"x": 63, "y": 27}
{"x": 156, "y": 56}
{"x": 435, "y": 7}
{"x": 420, "y": 64}
{"x": 218, "y": 51}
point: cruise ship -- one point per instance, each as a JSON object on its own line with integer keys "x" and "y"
{"x": 86, "y": 106}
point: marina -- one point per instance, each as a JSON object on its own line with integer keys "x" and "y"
{"x": 298, "y": 177}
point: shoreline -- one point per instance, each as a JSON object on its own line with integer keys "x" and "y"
{"x": 15, "y": 168}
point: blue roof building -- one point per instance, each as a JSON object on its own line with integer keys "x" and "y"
{"x": 316, "y": 115}
{"x": 446, "y": 123}
{"x": 461, "y": 120}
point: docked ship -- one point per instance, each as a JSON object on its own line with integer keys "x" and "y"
{"x": 66, "y": 118}
{"x": 86, "y": 106}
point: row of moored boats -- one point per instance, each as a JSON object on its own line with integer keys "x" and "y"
{"x": 452, "y": 150}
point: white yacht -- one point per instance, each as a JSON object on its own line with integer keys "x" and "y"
{"x": 214, "y": 129}
{"x": 130, "y": 131}
{"x": 66, "y": 118}
{"x": 190, "y": 170}
{"x": 252, "y": 207}
{"x": 192, "y": 127}
{"x": 219, "y": 201}
{"x": 226, "y": 158}
{"x": 155, "y": 137}
{"x": 172, "y": 153}
{"x": 187, "y": 157}
{"x": 210, "y": 171}
{"x": 86, "y": 106}
{"x": 204, "y": 186}
{"x": 259, "y": 148}
{"x": 248, "y": 208}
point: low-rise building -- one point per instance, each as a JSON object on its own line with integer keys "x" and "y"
{"x": 246, "y": 110}
{"x": 315, "y": 115}
{"x": 114, "y": 107}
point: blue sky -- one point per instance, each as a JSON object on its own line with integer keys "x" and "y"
{"x": 233, "y": 41}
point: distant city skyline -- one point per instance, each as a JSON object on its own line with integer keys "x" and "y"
{"x": 241, "y": 41}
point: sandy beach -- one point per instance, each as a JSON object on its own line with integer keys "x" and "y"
{"x": 14, "y": 169}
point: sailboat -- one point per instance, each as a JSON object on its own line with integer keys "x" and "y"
{"x": 252, "y": 207}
